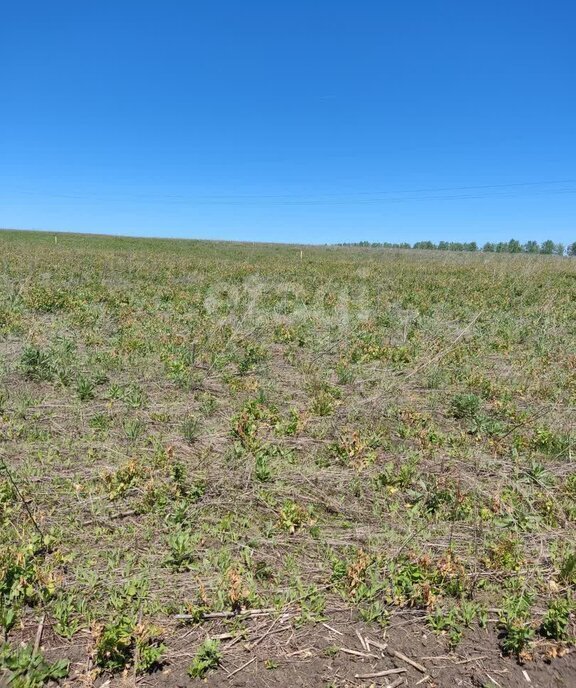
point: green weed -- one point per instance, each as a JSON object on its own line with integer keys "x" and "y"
{"x": 25, "y": 667}
{"x": 207, "y": 658}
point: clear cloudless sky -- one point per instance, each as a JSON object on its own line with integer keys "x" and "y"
{"x": 307, "y": 121}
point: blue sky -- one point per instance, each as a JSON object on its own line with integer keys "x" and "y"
{"x": 290, "y": 121}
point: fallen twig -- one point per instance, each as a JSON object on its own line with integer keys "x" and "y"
{"x": 223, "y": 636}
{"x": 270, "y": 630}
{"x": 334, "y": 630}
{"x": 403, "y": 658}
{"x": 471, "y": 659}
{"x": 39, "y": 632}
{"x": 306, "y": 652}
{"x": 386, "y": 672}
{"x": 362, "y": 641}
{"x": 240, "y": 668}
{"x": 380, "y": 646}
{"x": 358, "y": 654}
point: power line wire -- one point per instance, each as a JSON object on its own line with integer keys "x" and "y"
{"x": 507, "y": 191}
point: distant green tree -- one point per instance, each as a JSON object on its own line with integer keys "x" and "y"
{"x": 531, "y": 247}
{"x": 512, "y": 246}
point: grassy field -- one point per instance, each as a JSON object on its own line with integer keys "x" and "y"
{"x": 293, "y": 452}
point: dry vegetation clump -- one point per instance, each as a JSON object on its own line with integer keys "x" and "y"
{"x": 209, "y": 450}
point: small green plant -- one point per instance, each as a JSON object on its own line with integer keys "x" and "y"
{"x": 435, "y": 378}
{"x": 550, "y": 442}
{"x": 345, "y": 373}
{"x": 47, "y": 298}
{"x": 331, "y": 650}
{"x": 123, "y": 643}
{"x": 114, "y": 391}
{"x": 536, "y": 473}
{"x": 133, "y": 428}
{"x": 393, "y": 476}
{"x": 556, "y": 620}
{"x": 312, "y": 604}
{"x": 322, "y": 404}
{"x": 121, "y": 480}
{"x": 115, "y": 645}
{"x": 25, "y": 667}
{"x": 149, "y": 651}
{"x": 100, "y": 421}
{"x": 208, "y": 404}
{"x": 375, "y": 612}
{"x": 8, "y": 499}
{"x": 263, "y": 571}
{"x": 515, "y": 624}
{"x": 189, "y": 429}
{"x": 253, "y": 354}
{"x": 207, "y": 658}
{"x": 23, "y": 580}
{"x": 181, "y": 546}
{"x": 289, "y": 427}
{"x": 568, "y": 569}
{"x": 517, "y": 635}
{"x": 85, "y": 388}
{"x": 36, "y": 364}
{"x": 150, "y": 658}
{"x": 262, "y": 470}
{"x": 409, "y": 582}
{"x": 7, "y": 617}
{"x": 65, "y": 613}
{"x": 464, "y": 406}
{"x": 292, "y": 517}
{"x": 469, "y": 611}
{"x": 133, "y": 396}
{"x": 245, "y": 425}
{"x": 449, "y": 623}
{"x": 505, "y": 554}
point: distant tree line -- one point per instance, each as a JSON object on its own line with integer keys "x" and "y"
{"x": 513, "y": 246}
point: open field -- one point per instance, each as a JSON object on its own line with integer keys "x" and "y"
{"x": 289, "y": 451}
